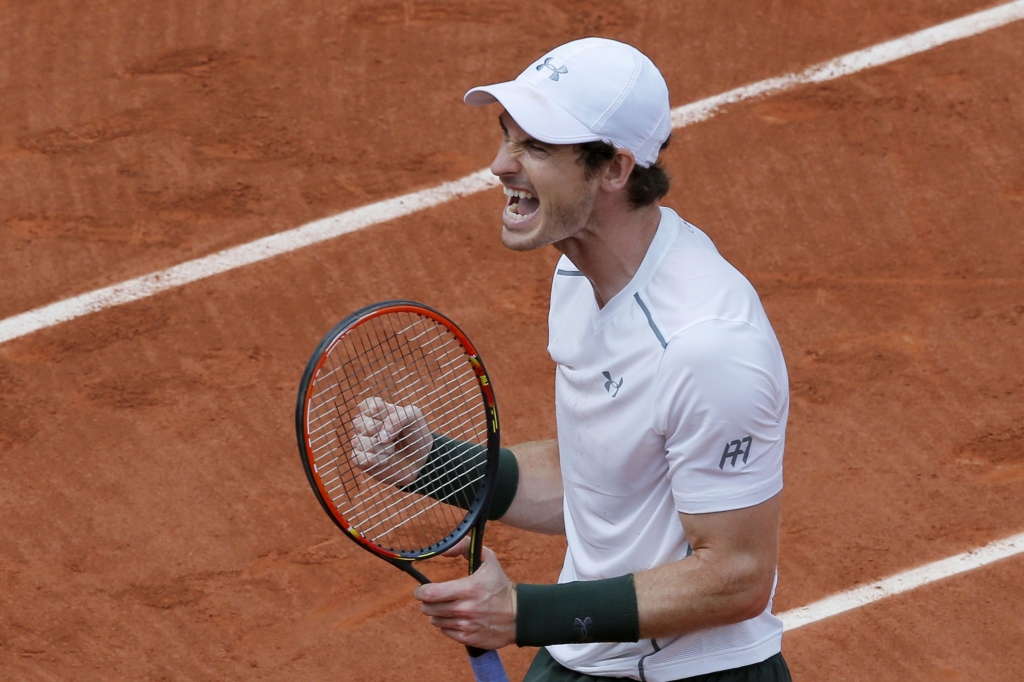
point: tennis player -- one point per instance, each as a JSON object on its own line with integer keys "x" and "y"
{"x": 671, "y": 399}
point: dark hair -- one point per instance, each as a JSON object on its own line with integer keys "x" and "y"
{"x": 645, "y": 185}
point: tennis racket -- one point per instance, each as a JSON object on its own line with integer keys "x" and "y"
{"x": 398, "y": 434}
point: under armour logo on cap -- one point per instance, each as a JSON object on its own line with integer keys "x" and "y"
{"x": 554, "y": 70}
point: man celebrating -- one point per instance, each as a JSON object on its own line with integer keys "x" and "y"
{"x": 671, "y": 399}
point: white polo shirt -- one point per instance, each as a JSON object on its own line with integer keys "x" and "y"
{"x": 672, "y": 398}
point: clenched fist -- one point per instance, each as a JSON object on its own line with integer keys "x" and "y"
{"x": 392, "y": 442}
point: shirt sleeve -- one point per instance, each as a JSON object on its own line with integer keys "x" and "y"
{"x": 722, "y": 404}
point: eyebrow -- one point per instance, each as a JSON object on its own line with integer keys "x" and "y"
{"x": 525, "y": 140}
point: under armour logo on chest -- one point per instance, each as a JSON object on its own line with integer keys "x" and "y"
{"x": 555, "y": 70}
{"x": 611, "y": 383}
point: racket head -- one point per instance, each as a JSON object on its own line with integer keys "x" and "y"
{"x": 407, "y": 354}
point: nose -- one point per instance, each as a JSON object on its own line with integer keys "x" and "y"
{"x": 504, "y": 163}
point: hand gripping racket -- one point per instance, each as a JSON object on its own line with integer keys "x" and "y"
{"x": 398, "y": 434}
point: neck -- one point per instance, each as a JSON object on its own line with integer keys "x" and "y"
{"x": 611, "y": 247}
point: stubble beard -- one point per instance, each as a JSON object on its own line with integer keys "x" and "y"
{"x": 560, "y": 221}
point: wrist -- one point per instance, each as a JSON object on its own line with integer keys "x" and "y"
{"x": 447, "y": 455}
{"x": 575, "y": 612}
{"x": 514, "y": 594}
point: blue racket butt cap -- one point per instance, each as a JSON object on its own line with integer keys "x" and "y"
{"x": 488, "y": 668}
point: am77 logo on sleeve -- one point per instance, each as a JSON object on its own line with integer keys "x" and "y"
{"x": 733, "y": 451}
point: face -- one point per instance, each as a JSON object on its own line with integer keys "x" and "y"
{"x": 548, "y": 198}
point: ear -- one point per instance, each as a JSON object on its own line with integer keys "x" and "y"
{"x": 617, "y": 171}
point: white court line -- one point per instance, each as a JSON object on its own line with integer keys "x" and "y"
{"x": 390, "y": 209}
{"x": 883, "y": 53}
{"x": 902, "y": 582}
{"x": 245, "y": 254}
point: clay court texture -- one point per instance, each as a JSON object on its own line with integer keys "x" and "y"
{"x": 156, "y": 522}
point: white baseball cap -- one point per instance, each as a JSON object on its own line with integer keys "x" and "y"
{"x": 587, "y": 90}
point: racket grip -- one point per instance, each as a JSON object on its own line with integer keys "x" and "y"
{"x": 487, "y": 667}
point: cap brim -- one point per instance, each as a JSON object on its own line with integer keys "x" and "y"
{"x": 537, "y": 115}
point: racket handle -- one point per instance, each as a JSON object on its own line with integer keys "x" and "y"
{"x": 487, "y": 666}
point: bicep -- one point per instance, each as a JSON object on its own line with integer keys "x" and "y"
{"x": 537, "y": 505}
{"x": 741, "y": 544}
{"x": 726, "y": 578}
{"x": 754, "y": 529}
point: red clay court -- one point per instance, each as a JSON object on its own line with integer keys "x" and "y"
{"x": 157, "y": 522}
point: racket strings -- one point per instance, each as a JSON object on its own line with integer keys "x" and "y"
{"x": 448, "y": 420}
{"x": 439, "y": 398}
{"x": 450, "y": 347}
{"x": 409, "y": 361}
{"x": 401, "y": 515}
{"x": 362, "y": 507}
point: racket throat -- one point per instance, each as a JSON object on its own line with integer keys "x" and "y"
{"x": 411, "y": 570}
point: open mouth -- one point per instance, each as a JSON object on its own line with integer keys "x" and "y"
{"x": 521, "y": 204}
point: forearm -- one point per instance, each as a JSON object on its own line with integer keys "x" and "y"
{"x": 537, "y": 505}
{"x": 528, "y": 493}
{"x": 698, "y": 592}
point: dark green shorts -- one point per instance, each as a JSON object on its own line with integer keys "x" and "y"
{"x": 774, "y": 669}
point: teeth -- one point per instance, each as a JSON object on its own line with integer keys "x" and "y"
{"x": 516, "y": 217}
{"x": 522, "y": 194}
